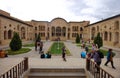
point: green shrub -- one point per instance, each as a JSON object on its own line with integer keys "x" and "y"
{"x": 77, "y": 39}
{"x": 38, "y": 38}
{"x": 98, "y": 40}
{"x": 16, "y": 42}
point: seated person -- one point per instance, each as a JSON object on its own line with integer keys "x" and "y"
{"x": 48, "y": 55}
{"x": 83, "y": 54}
{"x": 3, "y": 54}
{"x": 42, "y": 55}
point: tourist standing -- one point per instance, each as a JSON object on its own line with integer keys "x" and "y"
{"x": 41, "y": 47}
{"x": 86, "y": 49}
{"x": 110, "y": 58}
{"x": 36, "y": 45}
{"x": 63, "y": 53}
{"x": 97, "y": 59}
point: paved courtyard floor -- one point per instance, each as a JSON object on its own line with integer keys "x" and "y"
{"x": 55, "y": 61}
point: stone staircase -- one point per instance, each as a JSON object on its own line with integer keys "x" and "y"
{"x": 57, "y": 73}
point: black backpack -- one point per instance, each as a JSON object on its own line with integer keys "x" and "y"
{"x": 101, "y": 54}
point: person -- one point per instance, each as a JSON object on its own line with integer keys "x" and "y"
{"x": 3, "y": 54}
{"x": 42, "y": 55}
{"x": 83, "y": 54}
{"x": 88, "y": 59}
{"x": 41, "y": 47}
{"x": 63, "y": 53}
{"x": 86, "y": 49}
{"x": 48, "y": 55}
{"x": 95, "y": 55}
{"x": 36, "y": 45}
{"x": 110, "y": 58}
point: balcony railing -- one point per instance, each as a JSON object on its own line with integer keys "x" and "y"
{"x": 17, "y": 71}
{"x": 92, "y": 68}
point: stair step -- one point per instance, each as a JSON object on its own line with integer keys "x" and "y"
{"x": 57, "y": 77}
{"x": 57, "y": 70}
{"x": 57, "y": 74}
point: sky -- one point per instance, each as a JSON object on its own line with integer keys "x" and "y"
{"x": 70, "y": 10}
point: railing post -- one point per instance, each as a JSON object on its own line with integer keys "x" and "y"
{"x": 87, "y": 64}
{"x": 25, "y": 63}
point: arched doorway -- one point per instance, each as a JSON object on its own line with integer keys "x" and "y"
{"x": 9, "y": 34}
{"x": 23, "y": 33}
{"x": 116, "y": 39}
{"x": 105, "y": 35}
{"x": 93, "y": 33}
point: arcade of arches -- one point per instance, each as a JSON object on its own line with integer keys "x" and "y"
{"x": 109, "y": 29}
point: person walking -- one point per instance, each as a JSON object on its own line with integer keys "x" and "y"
{"x": 110, "y": 58}
{"x": 63, "y": 53}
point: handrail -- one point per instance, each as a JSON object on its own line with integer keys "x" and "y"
{"x": 91, "y": 67}
{"x": 17, "y": 71}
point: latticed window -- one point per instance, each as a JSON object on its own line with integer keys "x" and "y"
{"x": 105, "y": 36}
{"x": 64, "y": 31}
{"x": 81, "y": 29}
{"x": 23, "y": 33}
{"x": 53, "y": 31}
{"x": 35, "y": 28}
{"x": 92, "y": 33}
{"x": 58, "y": 31}
{"x": 18, "y": 27}
{"x": 9, "y": 34}
{"x": 117, "y": 25}
{"x": 5, "y": 34}
{"x": 110, "y": 36}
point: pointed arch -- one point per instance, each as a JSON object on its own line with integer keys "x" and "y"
{"x": 9, "y": 34}
{"x": 58, "y": 31}
{"x": 53, "y": 31}
{"x": 105, "y": 35}
{"x": 116, "y": 25}
{"x": 5, "y": 35}
{"x": 23, "y": 33}
{"x": 110, "y": 36}
{"x": 64, "y": 31}
{"x": 93, "y": 33}
{"x": 117, "y": 37}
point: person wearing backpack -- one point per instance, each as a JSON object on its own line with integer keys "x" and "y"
{"x": 86, "y": 49}
{"x": 97, "y": 59}
{"x": 110, "y": 58}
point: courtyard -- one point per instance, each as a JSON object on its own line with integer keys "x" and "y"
{"x": 73, "y": 61}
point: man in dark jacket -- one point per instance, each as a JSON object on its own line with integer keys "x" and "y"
{"x": 110, "y": 58}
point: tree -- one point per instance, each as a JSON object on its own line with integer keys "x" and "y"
{"x": 77, "y": 39}
{"x": 16, "y": 42}
{"x": 98, "y": 40}
{"x": 38, "y": 38}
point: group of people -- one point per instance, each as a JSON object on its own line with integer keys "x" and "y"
{"x": 40, "y": 45}
{"x": 47, "y": 55}
{"x": 97, "y": 56}
{"x": 41, "y": 52}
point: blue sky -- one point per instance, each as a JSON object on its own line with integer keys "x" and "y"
{"x": 70, "y": 10}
